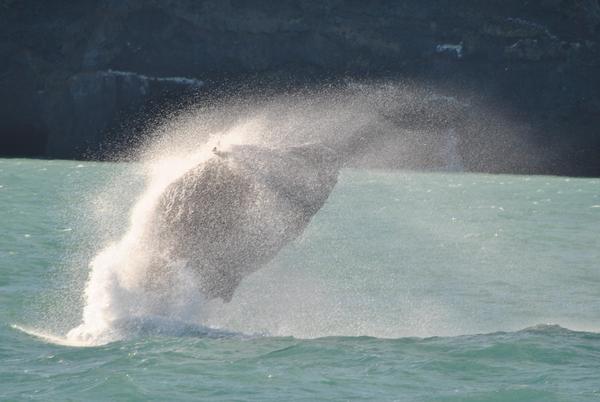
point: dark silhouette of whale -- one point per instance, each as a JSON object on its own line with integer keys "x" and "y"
{"x": 231, "y": 214}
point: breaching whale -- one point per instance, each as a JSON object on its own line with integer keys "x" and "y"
{"x": 230, "y": 215}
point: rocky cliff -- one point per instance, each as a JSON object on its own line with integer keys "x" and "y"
{"x": 74, "y": 74}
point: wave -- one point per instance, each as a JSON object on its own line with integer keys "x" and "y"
{"x": 161, "y": 327}
{"x": 135, "y": 328}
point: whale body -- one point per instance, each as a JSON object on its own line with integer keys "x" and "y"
{"x": 231, "y": 214}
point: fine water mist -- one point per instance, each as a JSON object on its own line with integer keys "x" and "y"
{"x": 361, "y": 123}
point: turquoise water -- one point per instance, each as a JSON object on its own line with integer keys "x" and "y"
{"x": 406, "y": 286}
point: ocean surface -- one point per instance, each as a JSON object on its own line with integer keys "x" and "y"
{"x": 405, "y": 286}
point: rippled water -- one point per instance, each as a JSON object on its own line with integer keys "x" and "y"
{"x": 406, "y": 286}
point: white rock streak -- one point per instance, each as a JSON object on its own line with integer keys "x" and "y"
{"x": 177, "y": 80}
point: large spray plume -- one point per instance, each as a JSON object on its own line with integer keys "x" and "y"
{"x": 377, "y": 125}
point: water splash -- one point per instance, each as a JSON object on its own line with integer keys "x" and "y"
{"x": 116, "y": 292}
{"x": 358, "y": 121}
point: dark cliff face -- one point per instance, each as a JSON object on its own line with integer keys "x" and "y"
{"x": 73, "y": 74}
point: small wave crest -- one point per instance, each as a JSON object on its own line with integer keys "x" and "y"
{"x": 158, "y": 326}
{"x": 132, "y": 328}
